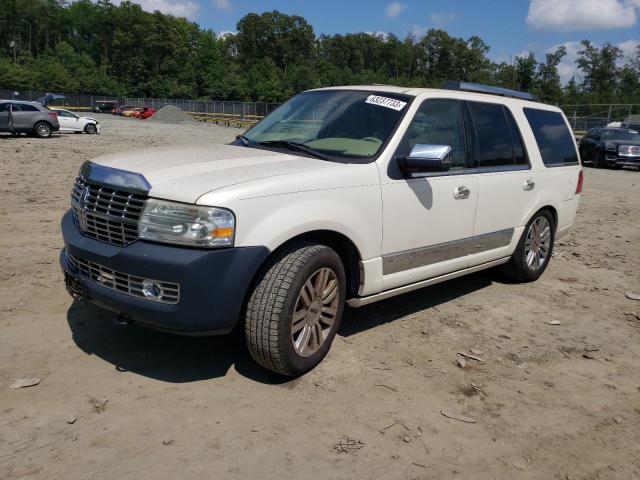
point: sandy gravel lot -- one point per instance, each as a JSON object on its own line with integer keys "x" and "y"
{"x": 549, "y": 401}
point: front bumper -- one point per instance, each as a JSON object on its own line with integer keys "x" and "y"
{"x": 213, "y": 283}
{"x": 617, "y": 161}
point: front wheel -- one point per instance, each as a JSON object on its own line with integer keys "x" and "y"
{"x": 42, "y": 130}
{"x": 90, "y": 128}
{"x": 295, "y": 309}
{"x": 534, "y": 249}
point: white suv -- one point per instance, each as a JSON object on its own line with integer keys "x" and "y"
{"x": 343, "y": 195}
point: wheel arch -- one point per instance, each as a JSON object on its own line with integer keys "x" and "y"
{"x": 41, "y": 121}
{"x": 551, "y": 209}
{"x": 534, "y": 211}
{"x": 341, "y": 243}
{"x": 38, "y": 122}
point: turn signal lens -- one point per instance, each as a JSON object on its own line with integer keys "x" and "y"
{"x": 222, "y": 232}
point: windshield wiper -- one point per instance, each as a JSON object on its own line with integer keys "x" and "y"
{"x": 295, "y": 146}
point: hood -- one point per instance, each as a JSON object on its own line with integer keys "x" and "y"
{"x": 185, "y": 173}
{"x": 623, "y": 142}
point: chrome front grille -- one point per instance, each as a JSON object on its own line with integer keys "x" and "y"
{"x": 123, "y": 282}
{"x": 106, "y": 214}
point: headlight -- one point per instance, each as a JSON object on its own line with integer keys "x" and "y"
{"x": 610, "y": 146}
{"x": 625, "y": 150}
{"x": 183, "y": 224}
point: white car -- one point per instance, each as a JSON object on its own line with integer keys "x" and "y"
{"x": 70, "y": 122}
{"x": 343, "y": 195}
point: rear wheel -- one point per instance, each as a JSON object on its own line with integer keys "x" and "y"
{"x": 42, "y": 130}
{"x": 90, "y": 128}
{"x": 295, "y": 309}
{"x": 534, "y": 249}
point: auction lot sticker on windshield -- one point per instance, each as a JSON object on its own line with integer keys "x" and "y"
{"x": 386, "y": 102}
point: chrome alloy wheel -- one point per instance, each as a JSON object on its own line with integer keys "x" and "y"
{"x": 538, "y": 243}
{"x": 43, "y": 130}
{"x": 315, "y": 311}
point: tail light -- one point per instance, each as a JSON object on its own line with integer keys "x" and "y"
{"x": 580, "y": 182}
{"x": 53, "y": 114}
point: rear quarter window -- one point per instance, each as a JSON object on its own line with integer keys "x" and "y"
{"x": 554, "y": 139}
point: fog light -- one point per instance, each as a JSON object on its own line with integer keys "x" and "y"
{"x": 151, "y": 289}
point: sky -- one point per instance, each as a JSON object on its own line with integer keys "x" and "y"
{"x": 509, "y": 27}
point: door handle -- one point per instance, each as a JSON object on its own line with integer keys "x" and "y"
{"x": 461, "y": 192}
{"x": 528, "y": 185}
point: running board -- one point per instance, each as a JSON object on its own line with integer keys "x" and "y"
{"x": 362, "y": 301}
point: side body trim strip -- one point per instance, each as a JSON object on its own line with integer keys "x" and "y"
{"x": 420, "y": 257}
{"x": 362, "y": 301}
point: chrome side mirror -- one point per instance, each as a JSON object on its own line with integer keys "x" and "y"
{"x": 427, "y": 158}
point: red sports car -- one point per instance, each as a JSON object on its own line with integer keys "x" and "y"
{"x": 144, "y": 112}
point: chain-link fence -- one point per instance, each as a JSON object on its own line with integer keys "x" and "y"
{"x": 584, "y": 117}
{"x": 581, "y": 117}
{"x": 200, "y": 109}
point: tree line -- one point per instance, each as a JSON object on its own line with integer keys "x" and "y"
{"x": 96, "y": 47}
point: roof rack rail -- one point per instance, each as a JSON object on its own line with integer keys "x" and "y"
{"x": 479, "y": 88}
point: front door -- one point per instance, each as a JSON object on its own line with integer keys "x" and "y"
{"x": 67, "y": 120}
{"x": 428, "y": 220}
{"x": 589, "y": 143}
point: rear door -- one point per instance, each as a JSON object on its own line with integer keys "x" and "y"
{"x": 24, "y": 116}
{"x": 505, "y": 181}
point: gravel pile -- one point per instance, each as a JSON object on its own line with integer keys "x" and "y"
{"x": 172, "y": 115}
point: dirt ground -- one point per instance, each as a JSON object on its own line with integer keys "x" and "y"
{"x": 549, "y": 401}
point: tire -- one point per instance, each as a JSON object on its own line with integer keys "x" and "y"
{"x": 42, "y": 130}
{"x": 278, "y": 295}
{"x": 518, "y": 269}
{"x": 90, "y": 128}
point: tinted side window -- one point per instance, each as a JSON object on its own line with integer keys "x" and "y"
{"x": 553, "y": 137}
{"x": 437, "y": 122}
{"x": 4, "y": 107}
{"x": 519, "y": 155}
{"x": 493, "y": 136}
{"x": 25, "y": 108}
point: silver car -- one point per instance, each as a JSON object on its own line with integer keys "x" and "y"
{"x": 27, "y": 117}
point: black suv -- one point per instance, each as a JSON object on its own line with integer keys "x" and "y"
{"x": 611, "y": 147}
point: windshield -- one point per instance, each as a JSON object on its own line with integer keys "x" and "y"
{"x": 343, "y": 124}
{"x": 624, "y": 135}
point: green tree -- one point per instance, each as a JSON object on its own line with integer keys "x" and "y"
{"x": 599, "y": 68}
{"x": 285, "y": 39}
{"x": 547, "y": 83}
